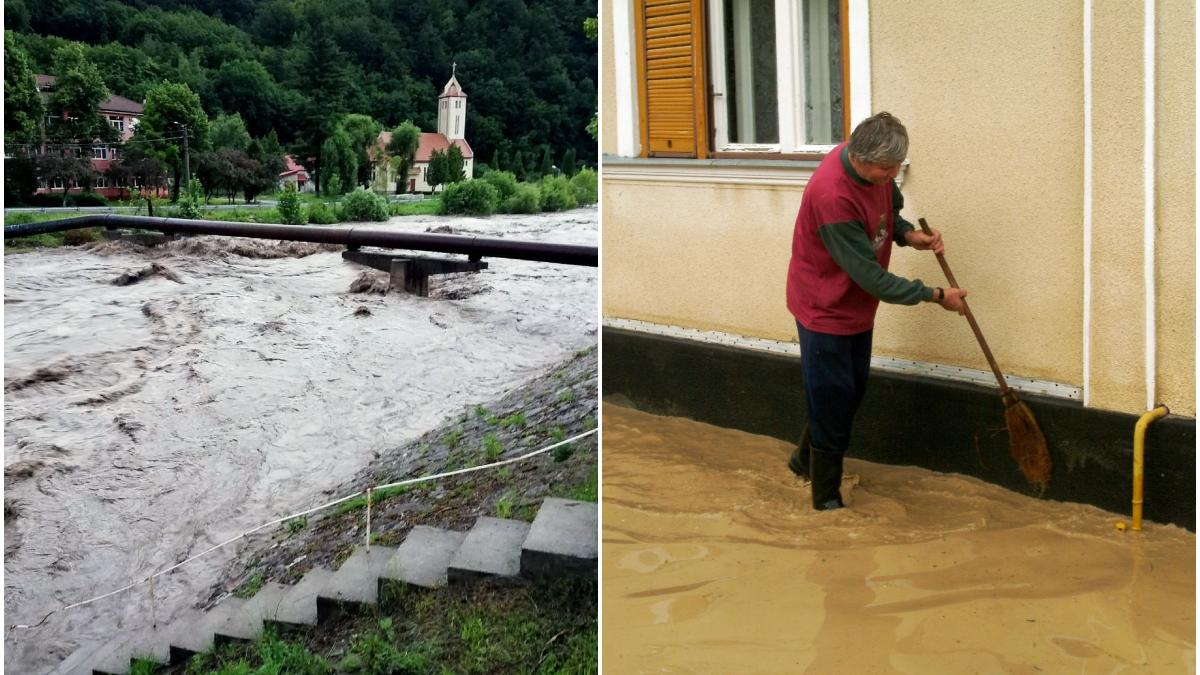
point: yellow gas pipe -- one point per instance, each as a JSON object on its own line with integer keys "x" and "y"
{"x": 1139, "y": 460}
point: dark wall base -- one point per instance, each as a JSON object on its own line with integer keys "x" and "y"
{"x": 932, "y": 423}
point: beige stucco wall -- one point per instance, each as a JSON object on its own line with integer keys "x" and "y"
{"x": 995, "y": 140}
{"x": 992, "y": 96}
{"x": 608, "y": 101}
{"x": 1175, "y": 205}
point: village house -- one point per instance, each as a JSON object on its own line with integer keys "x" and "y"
{"x": 295, "y": 175}
{"x": 122, "y": 114}
{"x": 451, "y": 130}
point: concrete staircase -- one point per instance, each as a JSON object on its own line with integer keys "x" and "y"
{"x": 562, "y": 540}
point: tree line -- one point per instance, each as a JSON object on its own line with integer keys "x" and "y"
{"x": 314, "y": 76}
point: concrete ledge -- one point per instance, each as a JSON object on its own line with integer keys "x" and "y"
{"x": 758, "y": 392}
{"x": 492, "y": 548}
{"x": 562, "y": 539}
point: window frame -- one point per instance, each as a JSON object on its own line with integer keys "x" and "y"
{"x": 789, "y": 59}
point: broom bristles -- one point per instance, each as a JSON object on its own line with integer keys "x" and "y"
{"x": 1027, "y": 444}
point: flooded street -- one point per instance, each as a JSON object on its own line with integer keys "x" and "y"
{"x": 715, "y": 561}
{"x": 145, "y": 423}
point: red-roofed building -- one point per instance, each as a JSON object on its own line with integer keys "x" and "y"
{"x": 122, "y": 114}
{"x": 452, "y": 123}
{"x": 294, "y": 174}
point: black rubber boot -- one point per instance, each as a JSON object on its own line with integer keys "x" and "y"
{"x": 801, "y": 456}
{"x": 827, "y": 479}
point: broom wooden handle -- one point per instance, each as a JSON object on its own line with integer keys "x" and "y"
{"x": 970, "y": 317}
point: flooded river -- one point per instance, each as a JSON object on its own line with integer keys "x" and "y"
{"x": 147, "y": 422}
{"x": 714, "y": 561}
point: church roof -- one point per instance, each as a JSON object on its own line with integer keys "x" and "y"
{"x": 453, "y": 88}
{"x": 428, "y": 143}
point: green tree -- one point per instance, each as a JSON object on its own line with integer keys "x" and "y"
{"x": 247, "y": 87}
{"x": 402, "y": 148}
{"x": 339, "y": 160}
{"x": 546, "y": 167}
{"x": 363, "y": 132}
{"x": 170, "y": 109}
{"x": 22, "y": 106}
{"x": 454, "y": 163}
{"x": 445, "y": 167}
{"x": 229, "y": 131}
{"x": 75, "y": 106}
{"x": 568, "y": 162}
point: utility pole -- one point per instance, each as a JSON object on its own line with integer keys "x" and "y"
{"x": 187, "y": 167}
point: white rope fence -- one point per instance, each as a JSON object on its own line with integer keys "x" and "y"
{"x": 368, "y": 492}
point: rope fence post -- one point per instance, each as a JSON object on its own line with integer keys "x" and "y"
{"x": 369, "y": 519}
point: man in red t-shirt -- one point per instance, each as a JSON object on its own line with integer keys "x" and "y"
{"x": 849, "y": 217}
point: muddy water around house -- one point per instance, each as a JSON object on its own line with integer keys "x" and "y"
{"x": 231, "y": 382}
{"x": 714, "y": 561}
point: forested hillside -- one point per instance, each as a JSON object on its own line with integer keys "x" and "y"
{"x": 298, "y": 67}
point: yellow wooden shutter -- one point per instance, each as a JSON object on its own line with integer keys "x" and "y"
{"x": 670, "y": 50}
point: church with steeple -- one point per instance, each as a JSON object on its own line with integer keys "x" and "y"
{"x": 451, "y": 130}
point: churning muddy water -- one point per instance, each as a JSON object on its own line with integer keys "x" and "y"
{"x": 714, "y": 561}
{"x": 159, "y": 401}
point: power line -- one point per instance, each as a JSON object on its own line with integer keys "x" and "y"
{"x": 131, "y": 141}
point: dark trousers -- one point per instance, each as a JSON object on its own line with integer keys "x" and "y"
{"x": 835, "y": 369}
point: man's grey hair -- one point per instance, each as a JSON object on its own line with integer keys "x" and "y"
{"x": 879, "y": 139}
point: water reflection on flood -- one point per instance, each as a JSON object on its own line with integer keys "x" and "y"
{"x": 714, "y": 561}
{"x": 236, "y": 382}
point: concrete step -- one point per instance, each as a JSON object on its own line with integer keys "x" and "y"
{"x": 298, "y": 607}
{"x": 423, "y": 558}
{"x": 247, "y": 622}
{"x": 101, "y": 656}
{"x": 188, "y": 638}
{"x": 562, "y": 540}
{"x": 492, "y": 548}
{"x": 356, "y": 582}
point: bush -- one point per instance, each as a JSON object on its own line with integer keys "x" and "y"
{"x": 557, "y": 194}
{"x": 189, "y": 201}
{"x": 89, "y": 199}
{"x": 77, "y": 237}
{"x": 319, "y": 213}
{"x": 525, "y": 200}
{"x": 362, "y": 204}
{"x": 290, "y": 210}
{"x": 504, "y": 182}
{"x": 474, "y": 197}
{"x": 586, "y": 187}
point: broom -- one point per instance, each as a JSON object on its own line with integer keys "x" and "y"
{"x": 1025, "y": 439}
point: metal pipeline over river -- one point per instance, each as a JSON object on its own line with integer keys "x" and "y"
{"x": 352, "y": 237}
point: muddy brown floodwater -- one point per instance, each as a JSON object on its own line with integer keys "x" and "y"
{"x": 160, "y": 401}
{"x": 715, "y": 562}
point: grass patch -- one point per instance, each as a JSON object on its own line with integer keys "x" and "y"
{"x": 492, "y": 449}
{"x": 481, "y": 411}
{"x": 377, "y": 496}
{"x": 589, "y": 491}
{"x": 516, "y": 419}
{"x": 429, "y": 206}
{"x": 567, "y": 396}
{"x": 506, "y": 504}
{"x": 252, "y": 586}
{"x": 453, "y": 438}
{"x": 296, "y": 524}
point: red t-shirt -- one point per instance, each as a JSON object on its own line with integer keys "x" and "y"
{"x": 821, "y": 296}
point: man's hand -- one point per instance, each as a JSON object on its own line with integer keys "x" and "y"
{"x": 925, "y": 242}
{"x": 954, "y": 300}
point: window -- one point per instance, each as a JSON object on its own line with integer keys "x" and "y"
{"x": 101, "y": 181}
{"x": 740, "y": 76}
{"x": 117, "y": 122}
{"x": 57, "y": 184}
{"x": 100, "y": 152}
